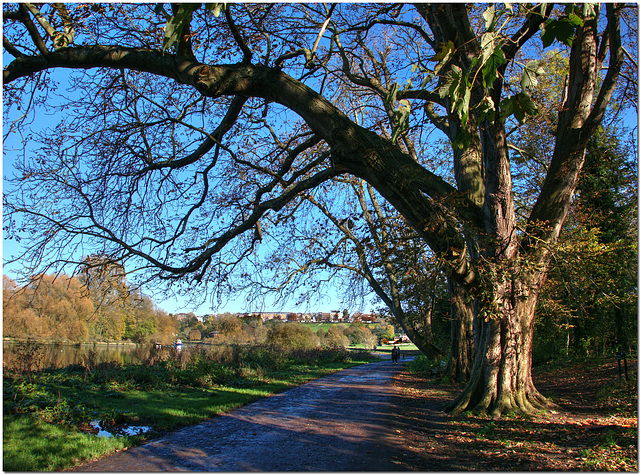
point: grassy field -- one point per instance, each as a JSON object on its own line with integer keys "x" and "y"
{"x": 325, "y": 326}
{"x": 48, "y": 416}
{"x": 403, "y": 347}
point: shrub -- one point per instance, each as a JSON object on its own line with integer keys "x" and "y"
{"x": 292, "y": 336}
{"x": 420, "y": 364}
{"x": 336, "y": 341}
{"x": 28, "y": 357}
{"x": 268, "y": 357}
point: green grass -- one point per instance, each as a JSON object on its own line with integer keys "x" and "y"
{"x": 46, "y": 414}
{"x": 386, "y": 347}
{"x": 30, "y": 444}
{"x": 325, "y": 326}
{"x": 403, "y": 347}
{"x": 607, "y": 455}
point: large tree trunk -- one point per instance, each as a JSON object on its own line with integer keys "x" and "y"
{"x": 500, "y": 379}
{"x": 462, "y": 316}
{"x": 501, "y": 376}
{"x": 423, "y": 338}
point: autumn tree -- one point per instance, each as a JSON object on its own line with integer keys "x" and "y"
{"x": 196, "y": 130}
{"x": 335, "y": 338}
{"x": 18, "y": 319}
{"x": 358, "y": 333}
{"x": 140, "y": 322}
{"x": 291, "y": 336}
{"x": 52, "y": 307}
{"x": 166, "y": 327}
{"x": 228, "y": 326}
{"x": 57, "y": 308}
{"x": 105, "y": 284}
{"x": 586, "y": 304}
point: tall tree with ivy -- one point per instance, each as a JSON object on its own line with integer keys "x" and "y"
{"x": 193, "y": 131}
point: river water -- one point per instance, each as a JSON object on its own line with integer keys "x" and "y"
{"x": 59, "y": 355}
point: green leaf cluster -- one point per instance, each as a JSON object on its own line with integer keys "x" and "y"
{"x": 457, "y": 85}
{"x": 492, "y": 57}
{"x": 519, "y": 105}
{"x": 175, "y": 25}
{"x": 401, "y": 112}
{"x": 563, "y": 29}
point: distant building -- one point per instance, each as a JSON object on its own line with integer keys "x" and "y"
{"x": 183, "y": 316}
{"x": 265, "y": 315}
{"x": 364, "y": 318}
{"x": 333, "y": 316}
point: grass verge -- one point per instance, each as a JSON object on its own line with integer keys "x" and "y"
{"x": 31, "y": 444}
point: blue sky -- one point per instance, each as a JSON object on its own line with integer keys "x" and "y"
{"x": 330, "y": 300}
{"x": 13, "y": 150}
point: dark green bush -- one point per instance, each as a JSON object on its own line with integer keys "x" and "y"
{"x": 267, "y": 357}
{"x": 420, "y": 364}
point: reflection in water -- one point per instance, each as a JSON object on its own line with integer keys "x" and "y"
{"x": 121, "y": 430}
{"x": 59, "y": 355}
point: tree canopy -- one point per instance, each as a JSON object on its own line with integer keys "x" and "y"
{"x": 194, "y": 134}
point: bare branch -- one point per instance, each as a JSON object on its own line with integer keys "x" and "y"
{"x": 33, "y": 31}
{"x": 11, "y": 49}
{"x": 238, "y": 37}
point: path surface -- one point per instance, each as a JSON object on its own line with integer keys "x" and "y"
{"x": 341, "y": 422}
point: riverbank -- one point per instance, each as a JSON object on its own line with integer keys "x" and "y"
{"x": 52, "y": 418}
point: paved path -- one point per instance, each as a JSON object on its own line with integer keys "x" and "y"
{"x": 341, "y": 422}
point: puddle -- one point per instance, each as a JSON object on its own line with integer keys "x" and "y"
{"x": 119, "y": 430}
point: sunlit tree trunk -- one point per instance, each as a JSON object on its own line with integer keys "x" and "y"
{"x": 500, "y": 380}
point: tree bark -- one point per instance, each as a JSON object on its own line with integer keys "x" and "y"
{"x": 462, "y": 316}
{"x": 501, "y": 380}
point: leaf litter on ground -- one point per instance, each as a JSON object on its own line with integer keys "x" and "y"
{"x": 594, "y": 430}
